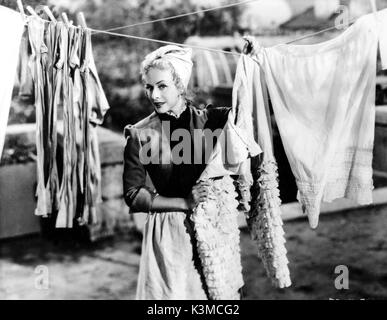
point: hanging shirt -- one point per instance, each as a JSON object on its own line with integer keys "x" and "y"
{"x": 11, "y": 30}
{"x": 323, "y": 97}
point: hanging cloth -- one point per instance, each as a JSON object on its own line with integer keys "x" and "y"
{"x": 68, "y": 188}
{"x": 88, "y": 108}
{"x": 11, "y": 30}
{"x": 98, "y": 105}
{"x": 93, "y": 106}
{"x": 39, "y": 49}
{"x": 323, "y": 97}
{"x": 44, "y": 40}
{"x": 24, "y": 77}
{"x": 264, "y": 218}
{"x": 216, "y": 219}
{"x": 53, "y": 86}
{"x": 64, "y": 73}
{"x": 217, "y": 235}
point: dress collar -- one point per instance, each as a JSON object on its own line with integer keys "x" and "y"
{"x": 173, "y": 117}
{"x": 170, "y": 113}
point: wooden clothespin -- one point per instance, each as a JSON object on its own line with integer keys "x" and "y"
{"x": 81, "y": 20}
{"x": 47, "y": 10}
{"x": 21, "y": 9}
{"x": 65, "y": 19}
{"x": 32, "y": 11}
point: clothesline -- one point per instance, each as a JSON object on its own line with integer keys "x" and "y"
{"x": 166, "y": 42}
{"x": 182, "y": 15}
{"x": 317, "y": 33}
{"x": 96, "y": 31}
{"x": 108, "y": 31}
{"x": 206, "y": 48}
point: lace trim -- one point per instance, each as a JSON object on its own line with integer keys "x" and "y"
{"x": 217, "y": 235}
{"x": 350, "y": 176}
{"x": 265, "y": 225}
{"x": 244, "y": 184}
{"x": 353, "y": 189}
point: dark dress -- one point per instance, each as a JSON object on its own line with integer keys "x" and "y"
{"x": 169, "y": 267}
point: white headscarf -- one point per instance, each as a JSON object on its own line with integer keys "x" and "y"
{"x": 180, "y": 59}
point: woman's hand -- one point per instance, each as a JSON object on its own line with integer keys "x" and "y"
{"x": 200, "y": 193}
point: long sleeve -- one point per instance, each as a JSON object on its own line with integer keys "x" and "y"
{"x": 136, "y": 194}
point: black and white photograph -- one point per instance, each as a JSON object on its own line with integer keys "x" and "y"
{"x": 191, "y": 150}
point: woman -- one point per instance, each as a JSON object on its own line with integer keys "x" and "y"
{"x": 169, "y": 267}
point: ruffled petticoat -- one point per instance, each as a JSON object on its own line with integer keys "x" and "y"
{"x": 217, "y": 233}
{"x": 265, "y": 225}
{"x": 169, "y": 266}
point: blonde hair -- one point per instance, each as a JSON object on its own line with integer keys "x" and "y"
{"x": 162, "y": 64}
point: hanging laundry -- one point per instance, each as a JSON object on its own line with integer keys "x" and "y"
{"x": 98, "y": 105}
{"x": 216, "y": 219}
{"x": 323, "y": 97}
{"x": 54, "y": 34}
{"x": 88, "y": 108}
{"x": 217, "y": 235}
{"x": 46, "y": 40}
{"x": 68, "y": 188}
{"x": 264, "y": 218}
{"x": 233, "y": 148}
{"x": 93, "y": 106}
{"x": 38, "y": 49}
{"x": 87, "y": 209}
{"x": 64, "y": 73}
{"x": 11, "y": 30}
{"x": 24, "y": 77}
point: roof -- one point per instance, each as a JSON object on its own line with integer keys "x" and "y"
{"x": 308, "y": 20}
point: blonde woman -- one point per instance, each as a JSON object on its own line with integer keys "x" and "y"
{"x": 164, "y": 146}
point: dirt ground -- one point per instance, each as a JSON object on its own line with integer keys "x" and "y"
{"x": 108, "y": 269}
